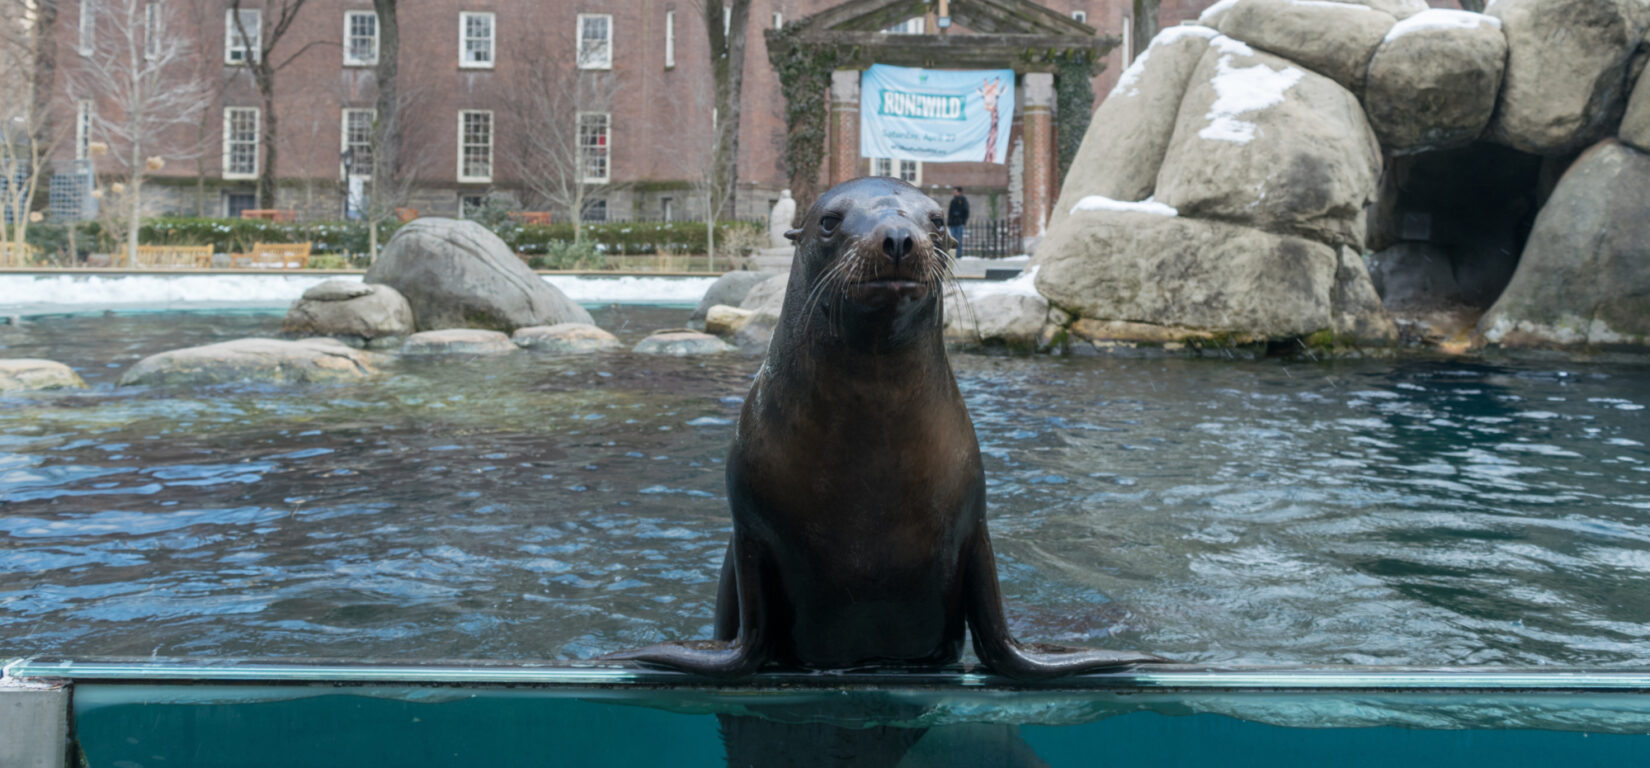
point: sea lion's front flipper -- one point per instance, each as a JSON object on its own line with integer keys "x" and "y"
{"x": 740, "y": 608}
{"x": 996, "y": 646}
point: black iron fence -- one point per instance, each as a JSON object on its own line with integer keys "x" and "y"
{"x": 991, "y": 238}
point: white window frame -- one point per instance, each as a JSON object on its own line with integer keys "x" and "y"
{"x": 464, "y": 39}
{"x": 670, "y": 39}
{"x": 153, "y": 27}
{"x": 344, "y": 143}
{"x": 607, "y": 167}
{"x": 1128, "y": 41}
{"x": 894, "y": 168}
{"x": 83, "y": 129}
{"x": 778, "y": 20}
{"x": 1081, "y": 17}
{"x": 253, "y": 20}
{"x": 578, "y": 42}
{"x": 915, "y": 25}
{"x": 491, "y": 134}
{"x": 667, "y": 208}
{"x": 88, "y": 26}
{"x": 350, "y": 60}
{"x": 229, "y": 141}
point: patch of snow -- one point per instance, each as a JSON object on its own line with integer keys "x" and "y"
{"x": 1440, "y": 18}
{"x": 1023, "y": 284}
{"x": 1099, "y": 203}
{"x": 1243, "y": 89}
{"x": 1331, "y": 4}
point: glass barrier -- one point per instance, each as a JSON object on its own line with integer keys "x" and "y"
{"x": 256, "y": 714}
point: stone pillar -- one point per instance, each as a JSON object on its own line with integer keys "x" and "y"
{"x": 34, "y": 726}
{"x": 1040, "y": 162}
{"x": 844, "y": 126}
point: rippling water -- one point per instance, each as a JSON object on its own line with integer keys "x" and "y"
{"x": 1262, "y": 512}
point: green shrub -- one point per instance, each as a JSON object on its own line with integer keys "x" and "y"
{"x": 239, "y": 235}
{"x": 621, "y": 238}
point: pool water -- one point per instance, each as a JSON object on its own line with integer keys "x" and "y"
{"x": 1433, "y": 512}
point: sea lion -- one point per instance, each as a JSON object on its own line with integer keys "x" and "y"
{"x": 858, "y": 498}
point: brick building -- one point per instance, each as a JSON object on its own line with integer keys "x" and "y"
{"x": 465, "y": 67}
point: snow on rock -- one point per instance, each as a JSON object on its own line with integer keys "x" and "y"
{"x": 1128, "y": 82}
{"x": 1440, "y": 18}
{"x": 1098, "y": 203}
{"x": 1243, "y": 89}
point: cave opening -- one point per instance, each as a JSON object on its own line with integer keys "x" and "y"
{"x": 1448, "y": 228}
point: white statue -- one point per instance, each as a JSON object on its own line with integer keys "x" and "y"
{"x": 779, "y": 220}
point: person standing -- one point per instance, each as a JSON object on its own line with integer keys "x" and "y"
{"x": 956, "y": 217}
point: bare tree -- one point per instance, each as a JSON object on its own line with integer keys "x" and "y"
{"x": 561, "y": 112}
{"x": 725, "y": 26}
{"x": 138, "y": 75}
{"x": 25, "y": 137}
{"x": 393, "y": 174}
{"x": 1144, "y": 25}
{"x": 260, "y": 43}
{"x": 692, "y": 108}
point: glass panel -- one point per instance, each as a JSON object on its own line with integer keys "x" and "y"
{"x": 363, "y": 38}
{"x": 478, "y": 38}
{"x": 478, "y": 145}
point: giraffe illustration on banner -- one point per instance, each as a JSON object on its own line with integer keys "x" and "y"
{"x": 990, "y": 90}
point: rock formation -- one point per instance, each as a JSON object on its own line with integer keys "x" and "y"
{"x": 22, "y": 374}
{"x": 457, "y": 341}
{"x": 1234, "y": 183}
{"x": 456, "y": 274}
{"x": 353, "y": 312}
{"x": 565, "y": 339}
{"x": 254, "y": 361}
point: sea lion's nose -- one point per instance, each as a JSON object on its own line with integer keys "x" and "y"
{"x": 897, "y": 242}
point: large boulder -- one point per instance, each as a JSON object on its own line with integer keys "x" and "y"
{"x": 354, "y": 311}
{"x": 1566, "y": 71}
{"x": 1014, "y": 318}
{"x": 768, "y": 295}
{"x": 1148, "y": 268}
{"x": 1584, "y": 277}
{"x": 1123, "y": 149}
{"x": 565, "y": 339}
{"x": 1635, "y": 126}
{"x": 20, "y": 374}
{"x": 1263, "y": 142}
{"x": 1332, "y": 39}
{"x": 729, "y": 289}
{"x": 456, "y": 274}
{"x": 254, "y": 361}
{"x": 1433, "y": 80}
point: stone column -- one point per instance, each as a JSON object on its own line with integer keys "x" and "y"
{"x": 1038, "y": 176}
{"x": 844, "y": 126}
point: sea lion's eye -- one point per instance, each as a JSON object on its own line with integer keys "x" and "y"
{"x": 939, "y": 223}
{"x": 829, "y": 222}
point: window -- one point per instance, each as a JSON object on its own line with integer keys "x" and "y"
{"x": 475, "y": 43}
{"x": 469, "y": 206}
{"x": 778, "y": 20}
{"x": 905, "y": 170}
{"x": 670, "y": 39}
{"x": 240, "y": 143}
{"x": 236, "y": 202}
{"x": 594, "y": 148}
{"x": 911, "y": 26}
{"x": 83, "y": 130}
{"x": 475, "y": 146}
{"x": 1081, "y": 17}
{"x": 238, "y": 48}
{"x": 727, "y": 20}
{"x": 88, "y": 23}
{"x": 594, "y": 210}
{"x": 595, "y": 41}
{"x": 360, "y": 38}
{"x": 357, "y": 141}
{"x": 152, "y": 31}
{"x": 667, "y": 208}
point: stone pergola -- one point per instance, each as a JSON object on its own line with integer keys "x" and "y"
{"x": 983, "y": 34}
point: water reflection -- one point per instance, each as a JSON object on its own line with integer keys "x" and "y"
{"x": 1258, "y": 512}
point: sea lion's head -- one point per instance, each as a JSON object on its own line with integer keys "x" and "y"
{"x": 871, "y": 258}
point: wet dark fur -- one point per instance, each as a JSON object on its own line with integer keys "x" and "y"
{"x": 854, "y": 478}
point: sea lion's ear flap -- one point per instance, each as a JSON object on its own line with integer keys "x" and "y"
{"x": 793, "y": 235}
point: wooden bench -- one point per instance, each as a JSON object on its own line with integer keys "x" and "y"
{"x": 274, "y": 256}
{"x": 270, "y": 214}
{"x": 174, "y": 256}
{"x": 531, "y": 218}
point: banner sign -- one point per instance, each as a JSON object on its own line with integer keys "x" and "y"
{"x": 935, "y": 115}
